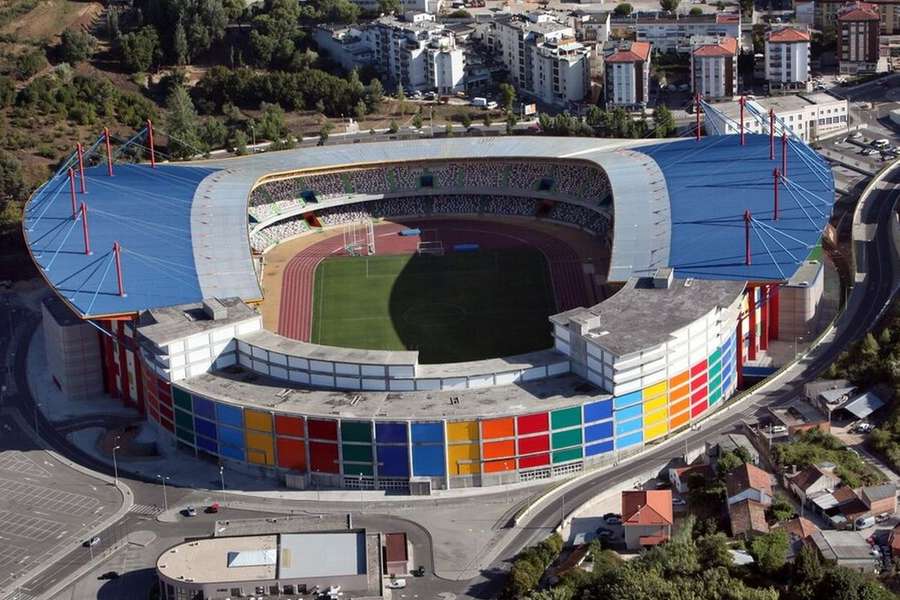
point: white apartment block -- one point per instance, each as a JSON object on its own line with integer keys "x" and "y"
{"x": 787, "y": 60}
{"x": 627, "y": 76}
{"x": 674, "y": 34}
{"x": 591, "y": 26}
{"x": 543, "y": 57}
{"x": 809, "y": 116}
{"x": 714, "y": 67}
{"x": 417, "y": 53}
{"x": 426, "y": 6}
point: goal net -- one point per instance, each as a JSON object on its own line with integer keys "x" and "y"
{"x": 436, "y": 248}
{"x": 359, "y": 238}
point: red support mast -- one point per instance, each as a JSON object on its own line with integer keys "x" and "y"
{"x": 72, "y": 192}
{"x": 698, "y": 109}
{"x": 84, "y": 229}
{"x": 776, "y": 174}
{"x": 771, "y": 134}
{"x": 784, "y": 151}
{"x": 747, "y": 218}
{"x": 108, "y": 152}
{"x": 742, "y": 101}
{"x": 81, "y": 168}
{"x": 150, "y": 143}
{"x": 117, "y": 252}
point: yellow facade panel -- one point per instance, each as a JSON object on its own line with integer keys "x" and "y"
{"x": 462, "y": 431}
{"x": 463, "y": 459}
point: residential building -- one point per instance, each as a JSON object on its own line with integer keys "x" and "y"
{"x": 714, "y": 67}
{"x": 861, "y": 406}
{"x": 426, "y": 6}
{"x": 858, "y": 26}
{"x": 845, "y": 549}
{"x": 799, "y": 530}
{"x": 805, "y": 12}
{"x": 749, "y": 482}
{"x": 808, "y": 116}
{"x": 894, "y": 540}
{"x": 799, "y": 415}
{"x": 344, "y": 44}
{"x": 627, "y": 75}
{"x": 680, "y": 476}
{"x": 674, "y": 33}
{"x": 826, "y": 13}
{"x": 544, "y": 59}
{"x": 591, "y": 26}
{"x": 646, "y": 517}
{"x": 748, "y": 519}
{"x": 829, "y": 395}
{"x": 787, "y": 60}
{"x": 417, "y": 53}
{"x": 731, "y": 442}
{"x": 880, "y": 499}
{"x": 812, "y": 481}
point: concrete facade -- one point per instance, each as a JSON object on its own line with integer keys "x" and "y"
{"x": 73, "y": 352}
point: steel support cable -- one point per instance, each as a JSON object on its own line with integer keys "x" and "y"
{"x": 765, "y": 228}
{"x": 806, "y": 192}
{"x": 787, "y": 235}
{"x": 808, "y": 203}
{"x": 75, "y": 222}
{"x": 768, "y": 251}
{"x": 102, "y": 280}
{"x": 165, "y": 269}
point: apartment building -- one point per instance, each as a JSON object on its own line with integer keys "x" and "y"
{"x": 544, "y": 59}
{"x": 714, "y": 67}
{"x": 674, "y": 34}
{"x": 627, "y": 75}
{"x": 427, "y": 6}
{"x": 417, "y": 53}
{"x": 809, "y": 116}
{"x": 826, "y": 14}
{"x": 859, "y": 40}
{"x": 787, "y": 60}
{"x": 591, "y": 26}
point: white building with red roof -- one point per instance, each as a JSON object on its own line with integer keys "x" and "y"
{"x": 714, "y": 67}
{"x": 787, "y": 60}
{"x": 646, "y": 517}
{"x": 627, "y": 75}
{"x": 859, "y": 27}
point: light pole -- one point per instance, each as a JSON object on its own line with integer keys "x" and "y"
{"x": 165, "y": 498}
{"x": 115, "y": 466}
{"x": 222, "y": 479}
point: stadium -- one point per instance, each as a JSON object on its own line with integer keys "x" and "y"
{"x": 434, "y": 313}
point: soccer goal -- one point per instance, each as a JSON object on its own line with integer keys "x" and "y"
{"x": 435, "y": 248}
{"x": 359, "y": 238}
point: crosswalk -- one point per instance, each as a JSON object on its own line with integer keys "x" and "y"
{"x": 20, "y": 595}
{"x": 146, "y": 509}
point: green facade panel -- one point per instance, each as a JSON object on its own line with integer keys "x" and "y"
{"x": 354, "y": 453}
{"x": 356, "y": 431}
{"x": 364, "y": 470}
{"x": 567, "y": 417}
{"x": 565, "y": 439}
{"x": 566, "y": 455}
{"x": 184, "y": 420}
{"x": 182, "y": 399}
{"x": 184, "y": 435}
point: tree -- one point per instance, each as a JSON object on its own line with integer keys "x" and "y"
{"x": 180, "y": 44}
{"x": 401, "y": 99}
{"x": 112, "y": 23}
{"x": 663, "y": 121}
{"x": 712, "y": 550}
{"x": 746, "y": 6}
{"x": 76, "y": 46}
{"x": 140, "y": 49}
{"x": 840, "y": 583}
{"x": 29, "y": 64}
{"x": 770, "y": 551}
{"x": 507, "y": 96}
{"x": 181, "y": 125}
{"x": 808, "y": 571}
{"x": 781, "y": 510}
{"x": 324, "y": 132}
{"x": 486, "y": 118}
{"x": 720, "y": 6}
{"x": 728, "y": 462}
{"x": 417, "y": 120}
{"x": 389, "y": 7}
{"x": 460, "y": 13}
{"x": 670, "y": 6}
{"x": 623, "y": 10}
{"x": 359, "y": 111}
{"x": 448, "y": 129}
{"x": 695, "y": 11}
{"x": 393, "y": 127}
{"x": 7, "y": 91}
{"x": 271, "y": 122}
{"x": 466, "y": 120}
{"x": 12, "y": 182}
{"x": 239, "y": 141}
{"x": 375, "y": 95}
{"x": 511, "y": 122}
{"x": 213, "y": 133}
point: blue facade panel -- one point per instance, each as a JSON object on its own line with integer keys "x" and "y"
{"x": 231, "y": 437}
{"x": 598, "y": 411}
{"x": 599, "y": 431}
{"x": 601, "y": 448}
{"x": 429, "y": 461}
{"x": 390, "y": 433}
{"x": 205, "y": 428}
{"x": 393, "y": 461}
{"x": 428, "y": 432}
{"x": 229, "y": 415}
{"x": 629, "y": 413}
{"x": 628, "y": 426}
{"x": 207, "y": 445}
{"x": 627, "y": 400}
{"x": 629, "y": 440}
{"x": 232, "y": 452}
{"x": 204, "y": 408}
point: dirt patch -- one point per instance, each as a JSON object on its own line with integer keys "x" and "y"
{"x": 50, "y": 18}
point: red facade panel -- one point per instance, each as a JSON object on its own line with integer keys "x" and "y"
{"x": 533, "y": 423}
{"x": 323, "y": 457}
{"x": 291, "y": 454}
{"x": 699, "y": 382}
{"x": 322, "y": 430}
{"x": 531, "y": 445}
{"x": 537, "y": 460}
{"x": 698, "y": 408}
{"x": 292, "y": 426}
{"x": 698, "y": 368}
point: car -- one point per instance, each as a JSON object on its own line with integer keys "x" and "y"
{"x": 430, "y": 96}
{"x": 679, "y": 502}
{"x": 881, "y": 143}
{"x": 419, "y": 571}
{"x": 868, "y": 151}
{"x": 864, "y": 522}
{"x": 614, "y": 520}
{"x": 820, "y": 88}
{"x": 109, "y": 575}
{"x": 855, "y": 135}
{"x": 396, "y": 584}
{"x": 91, "y": 542}
{"x": 213, "y": 508}
{"x": 778, "y": 429}
{"x": 190, "y": 511}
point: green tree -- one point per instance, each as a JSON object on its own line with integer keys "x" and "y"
{"x": 663, "y": 122}
{"x": 359, "y": 111}
{"x": 623, "y": 10}
{"x": 76, "y": 46}
{"x": 840, "y": 583}
{"x": 271, "y": 124}
{"x": 728, "y": 462}
{"x": 770, "y": 550}
{"x": 140, "y": 49}
{"x": 239, "y": 141}
{"x": 374, "y": 95}
{"x": 781, "y": 510}
{"x": 181, "y": 125}
{"x": 393, "y": 127}
{"x": 507, "y": 96}
{"x": 511, "y": 122}
{"x": 324, "y": 132}
{"x": 720, "y": 6}
{"x": 460, "y": 13}
{"x": 389, "y": 7}
{"x": 112, "y": 23}
{"x": 669, "y": 6}
{"x": 808, "y": 571}
{"x": 401, "y": 99}
{"x": 417, "y": 120}
{"x": 466, "y": 120}
{"x": 695, "y": 11}
{"x": 746, "y": 6}
{"x": 12, "y": 181}
{"x": 712, "y": 550}
{"x": 338, "y": 11}
{"x": 29, "y": 64}
{"x": 213, "y": 133}
{"x": 7, "y": 92}
{"x": 180, "y": 44}
{"x": 486, "y": 119}
{"x": 448, "y": 129}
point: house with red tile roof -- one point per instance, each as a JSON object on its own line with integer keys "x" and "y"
{"x": 787, "y": 60}
{"x": 714, "y": 67}
{"x": 859, "y": 25}
{"x": 627, "y": 75}
{"x": 749, "y": 482}
{"x": 646, "y": 517}
{"x": 748, "y": 519}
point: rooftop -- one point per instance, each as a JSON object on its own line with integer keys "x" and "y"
{"x": 647, "y": 507}
{"x": 727, "y": 46}
{"x": 859, "y": 12}
{"x": 639, "y": 316}
{"x": 322, "y": 554}
{"x": 841, "y": 545}
{"x": 635, "y": 52}
{"x": 807, "y": 477}
{"x": 207, "y": 560}
{"x": 747, "y": 517}
{"x": 788, "y": 35}
{"x": 165, "y": 324}
{"x": 748, "y": 476}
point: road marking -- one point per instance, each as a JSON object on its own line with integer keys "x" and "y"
{"x": 145, "y": 509}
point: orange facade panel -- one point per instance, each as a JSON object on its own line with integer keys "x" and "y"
{"x": 679, "y": 393}
{"x": 679, "y": 379}
{"x": 504, "y": 449}
{"x": 679, "y": 420}
{"x": 498, "y": 428}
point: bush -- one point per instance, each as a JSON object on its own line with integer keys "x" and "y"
{"x": 76, "y": 46}
{"x": 623, "y": 10}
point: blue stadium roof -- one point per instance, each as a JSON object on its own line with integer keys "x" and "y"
{"x": 147, "y": 211}
{"x": 712, "y": 182}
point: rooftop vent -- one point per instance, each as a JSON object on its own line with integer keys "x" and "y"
{"x": 214, "y": 309}
{"x": 662, "y": 278}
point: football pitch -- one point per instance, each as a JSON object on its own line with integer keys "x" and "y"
{"x": 451, "y": 308}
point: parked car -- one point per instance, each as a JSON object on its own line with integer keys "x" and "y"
{"x": 419, "y": 571}
{"x": 864, "y": 522}
{"x": 881, "y": 143}
{"x": 213, "y": 508}
{"x": 856, "y": 135}
{"x": 190, "y": 511}
{"x": 396, "y": 584}
{"x": 604, "y": 533}
{"x": 109, "y": 575}
{"x": 868, "y": 151}
{"x": 91, "y": 542}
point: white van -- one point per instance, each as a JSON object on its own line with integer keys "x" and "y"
{"x": 865, "y": 522}
{"x": 881, "y": 143}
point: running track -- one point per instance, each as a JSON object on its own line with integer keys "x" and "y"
{"x": 295, "y": 314}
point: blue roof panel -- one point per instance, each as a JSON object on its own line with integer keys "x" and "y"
{"x": 712, "y": 182}
{"x": 148, "y": 211}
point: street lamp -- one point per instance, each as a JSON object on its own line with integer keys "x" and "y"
{"x": 222, "y": 479}
{"x": 165, "y": 498}
{"x": 115, "y": 466}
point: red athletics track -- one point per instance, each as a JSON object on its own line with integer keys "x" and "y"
{"x": 295, "y": 315}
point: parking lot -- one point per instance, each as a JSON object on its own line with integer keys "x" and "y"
{"x": 44, "y": 505}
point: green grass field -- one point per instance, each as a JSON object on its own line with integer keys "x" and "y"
{"x": 465, "y": 306}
